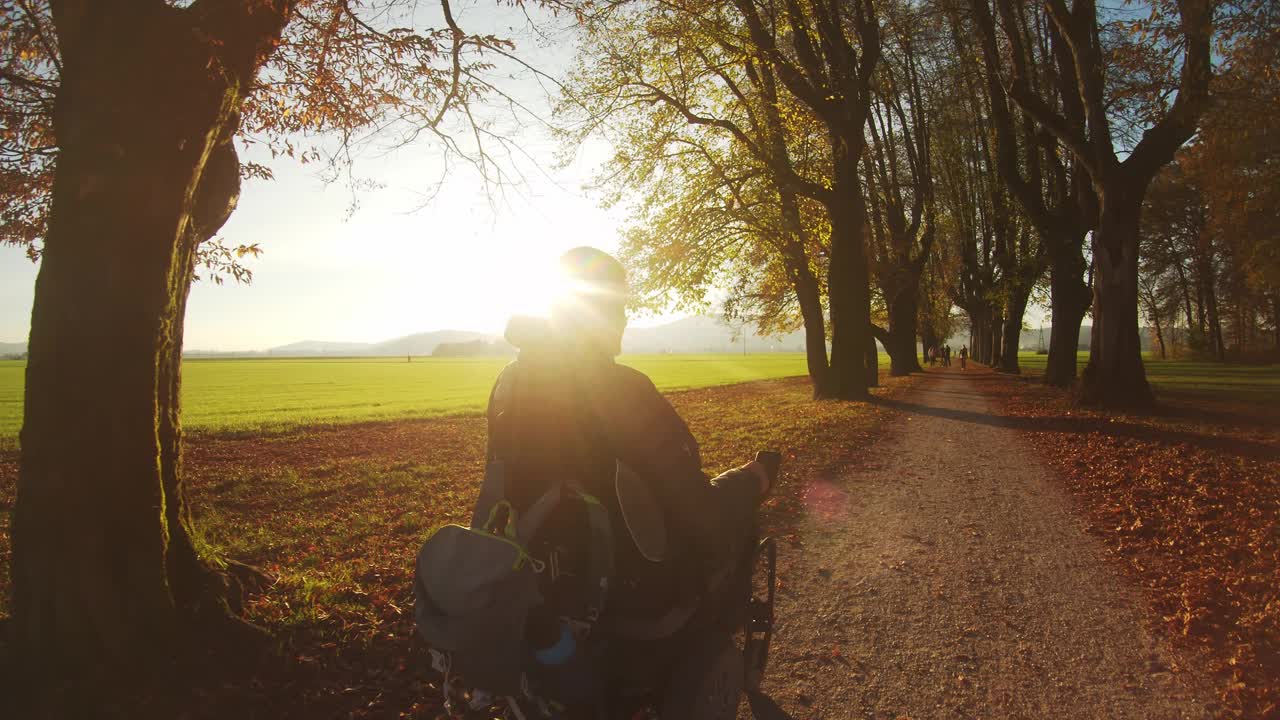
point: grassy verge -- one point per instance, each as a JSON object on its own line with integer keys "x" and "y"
{"x": 337, "y": 514}
{"x": 270, "y": 395}
{"x": 1188, "y": 499}
{"x": 1201, "y": 382}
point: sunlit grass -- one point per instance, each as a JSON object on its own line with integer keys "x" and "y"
{"x": 274, "y": 394}
{"x": 1193, "y": 380}
{"x": 341, "y": 534}
{"x": 337, "y": 513}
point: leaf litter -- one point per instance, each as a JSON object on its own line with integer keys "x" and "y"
{"x": 1188, "y": 500}
{"x": 336, "y": 513}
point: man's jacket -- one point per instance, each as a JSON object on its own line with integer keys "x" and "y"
{"x": 566, "y": 413}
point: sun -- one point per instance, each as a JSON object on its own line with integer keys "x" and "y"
{"x": 533, "y": 291}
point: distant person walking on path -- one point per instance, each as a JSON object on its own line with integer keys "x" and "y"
{"x": 946, "y": 356}
{"x": 964, "y": 354}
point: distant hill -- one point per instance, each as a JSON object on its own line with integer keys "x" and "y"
{"x": 12, "y": 348}
{"x": 321, "y": 347}
{"x": 698, "y": 334}
{"x": 425, "y": 343}
{"x": 475, "y": 348}
{"x": 417, "y": 344}
{"x": 704, "y": 334}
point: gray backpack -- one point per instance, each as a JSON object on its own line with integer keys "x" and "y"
{"x": 475, "y": 586}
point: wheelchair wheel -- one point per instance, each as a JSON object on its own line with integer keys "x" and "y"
{"x": 707, "y": 684}
{"x": 758, "y": 631}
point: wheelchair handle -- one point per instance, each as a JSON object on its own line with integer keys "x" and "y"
{"x": 772, "y": 462}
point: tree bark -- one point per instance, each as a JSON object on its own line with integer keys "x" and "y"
{"x": 980, "y": 334}
{"x": 873, "y": 364}
{"x": 848, "y": 283}
{"x": 106, "y": 578}
{"x": 1155, "y": 317}
{"x": 1275, "y": 319}
{"x": 994, "y": 339}
{"x": 1186, "y": 292}
{"x": 809, "y": 298}
{"x": 1216, "y": 345}
{"x": 1012, "y": 332}
{"x": 1115, "y": 376}
{"x": 900, "y": 341}
{"x": 815, "y": 341}
{"x": 1070, "y": 300}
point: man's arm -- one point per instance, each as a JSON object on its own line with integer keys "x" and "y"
{"x": 647, "y": 434}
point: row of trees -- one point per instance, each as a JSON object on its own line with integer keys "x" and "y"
{"x": 1210, "y": 280}
{"x": 858, "y": 169}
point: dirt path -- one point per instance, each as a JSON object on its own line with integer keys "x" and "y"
{"x": 949, "y": 578}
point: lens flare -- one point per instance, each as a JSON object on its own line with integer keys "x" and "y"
{"x": 539, "y": 290}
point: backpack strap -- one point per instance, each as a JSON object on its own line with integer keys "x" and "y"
{"x": 493, "y": 498}
{"x": 494, "y": 487}
{"x": 602, "y": 566}
{"x": 601, "y": 562}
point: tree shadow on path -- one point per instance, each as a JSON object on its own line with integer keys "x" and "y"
{"x": 1088, "y": 423}
{"x": 764, "y": 708}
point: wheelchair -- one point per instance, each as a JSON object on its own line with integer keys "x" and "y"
{"x": 709, "y": 665}
{"x": 699, "y": 671}
{"x": 694, "y": 662}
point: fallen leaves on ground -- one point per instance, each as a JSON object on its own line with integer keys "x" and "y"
{"x": 336, "y": 515}
{"x": 1189, "y": 500}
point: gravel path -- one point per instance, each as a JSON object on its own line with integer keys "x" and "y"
{"x": 949, "y": 578}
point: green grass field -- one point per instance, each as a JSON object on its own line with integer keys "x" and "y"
{"x": 236, "y": 395}
{"x": 1191, "y": 380}
{"x": 265, "y": 395}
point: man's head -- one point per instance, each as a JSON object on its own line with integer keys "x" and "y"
{"x": 594, "y": 310}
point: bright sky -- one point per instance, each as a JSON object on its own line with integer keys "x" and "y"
{"x": 394, "y": 267}
{"x": 462, "y": 261}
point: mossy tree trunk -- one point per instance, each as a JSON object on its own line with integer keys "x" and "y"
{"x": 106, "y": 575}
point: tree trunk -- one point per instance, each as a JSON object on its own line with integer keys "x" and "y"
{"x": 1275, "y": 319}
{"x": 989, "y": 337}
{"x": 1013, "y": 329}
{"x": 873, "y": 364}
{"x": 975, "y": 336}
{"x": 105, "y": 573}
{"x": 1069, "y": 298}
{"x": 994, "y": 337}
{"x": 1216, "y": 345}
{"x": 1186, "y": 292}
{"x": 808, "y": 296}
{"x": 809, "y": 299}
{"x": 848, "y": 284}
{"x": 1155, "y": 318}
{"x": 1115, "y": 376}
{"x": 901, "y": 340}
{"x": 980, "y": 335}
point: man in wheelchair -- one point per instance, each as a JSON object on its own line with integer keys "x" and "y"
{"x": 603, "y": 575}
